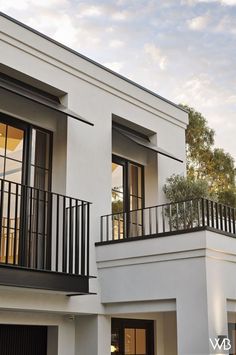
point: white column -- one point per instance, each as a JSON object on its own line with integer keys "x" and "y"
{"x": 93, "y": 335}
{"x": 199, "y": 319}
{"x": 192, "y": 325}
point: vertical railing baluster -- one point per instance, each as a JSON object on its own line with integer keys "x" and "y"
{"x": 221, "y": 217}
{"x": 83, "y": 238}
{"x": 229, "y": 219}
{"x": 150, "y": 220}
{"x": 191, "y": 213}
{"x": 157, "y": 219}
{"x": 44, "y": 229}
{"x": 49, "y": 251}
{"x": 233, "y": 219}
{"x": 212, "y": 215}
{"x": 198, "y": 213}
{"x": 137, "y": 224}
{"x": 37, "y": 229}
{"x": 225, "y": 218}
{"x": 70, "y": 236}
{"x": 1, "y": 215}
{"x": 101, "y": 226}
{"x": 217, "y": 215}
{"x": 113, "y": 227}
{"x": 163, "y": 219}
{"x": 203, "y": 212}
{"x": 30, "y": 226}
{"x": 184, "y": 214}
{"x": 15, "y": 226}
{"x": 142, "y": 223}
{"x": 107, "y": 227}
{"x": 118, "y": 226}
{"x": 170, "y": 217}
{"x": 22, "y": 230}
{"x": 57, "y": 231}
{"x": 207, "y": 213}
{"x": 64, "y": 239}
{"x": 77, "y": 236}
{"x": 88, "y": 236}
{"x": 177, "y": 216}
{"x": 8, "y": 220}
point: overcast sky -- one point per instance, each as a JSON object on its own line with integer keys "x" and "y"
{"x": 184, "y": 50}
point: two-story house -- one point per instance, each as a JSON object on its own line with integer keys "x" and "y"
{"x": 93, "y": 259}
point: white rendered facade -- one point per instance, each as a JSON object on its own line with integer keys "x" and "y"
{"x": 185, "y": 283}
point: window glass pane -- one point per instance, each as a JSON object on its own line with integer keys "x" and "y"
{"x": 133, "y": 180}
{"x": 133, "y": 203}
{"x": 140, "y": 202}
{"x": 140, "y": 183}
{"x": 135, "y": 225}
{"x": 2, "y": 138}
{"x": 140, "y": 341}
{"x": 39, "y": 178}
{"x": 117, "y": 177}
{"x": 129, "y": 341}
{"x": 118, "y": 226}
{"x": 117, "y": 188}
{"x": 117, "y": 202}
{"x": 1, "y": 168}
{"x": 40, "y": 149}
{"x": 13, "y": 171}
{"x": 15, "y": 138}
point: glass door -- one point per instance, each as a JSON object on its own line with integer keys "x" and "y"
{"x": 127, "y": 198}
{"x": 132, "y": 337}
{"x": 25, "y": 176}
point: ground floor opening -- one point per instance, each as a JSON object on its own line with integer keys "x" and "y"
{"x": 23, "y": 340}
{"x": 132, "y": 337}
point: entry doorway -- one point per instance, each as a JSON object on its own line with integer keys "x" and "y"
{"x": 132, "y": 337}
{"x": 23, "y": 340}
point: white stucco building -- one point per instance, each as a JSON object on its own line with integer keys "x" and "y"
{"x": 148, "y": 278}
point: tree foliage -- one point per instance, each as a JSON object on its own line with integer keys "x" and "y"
{"x": 180, "y": 188}
{"x": 207, "y": 162}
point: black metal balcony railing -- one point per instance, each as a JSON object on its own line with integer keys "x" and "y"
{"x": 43, "y": 231}
{"x": 168, "y": 218}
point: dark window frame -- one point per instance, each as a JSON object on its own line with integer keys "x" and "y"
{"x": 26, "y": 171}
{"x": 126, "y": 163}
{"x": 27, "y": 127}
{"x": 126, "y": 183}
{"x": 121, "y": 323}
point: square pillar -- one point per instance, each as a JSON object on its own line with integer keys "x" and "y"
{"x": 93, "y": 335}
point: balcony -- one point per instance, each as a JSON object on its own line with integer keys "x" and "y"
{"x": 44, "y": 240}
{"x": 168, "y": 219}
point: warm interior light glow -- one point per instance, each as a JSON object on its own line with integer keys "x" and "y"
{"x": 113, "y": 349}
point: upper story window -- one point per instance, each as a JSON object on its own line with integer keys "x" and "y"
{"x": 127, "y": 196}
{"x": 25, "y": 153}
{"x": 127, "y": 185}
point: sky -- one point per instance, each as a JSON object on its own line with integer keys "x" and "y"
{"x": 184, "y": 50}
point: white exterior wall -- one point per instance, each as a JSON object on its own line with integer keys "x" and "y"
{"x": 184, "y": 282}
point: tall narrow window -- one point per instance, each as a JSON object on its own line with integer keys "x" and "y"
{"x": 127, "y": 197}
